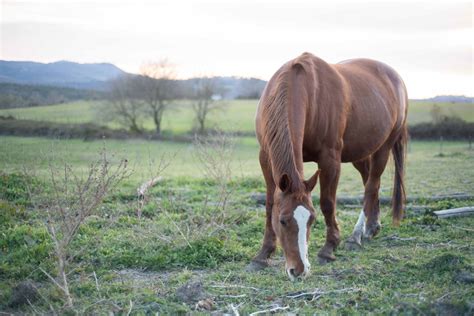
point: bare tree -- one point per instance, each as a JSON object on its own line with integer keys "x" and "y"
{"x": 205, "y": 99}
{"x": 124, "y": 103}
{"x": 158, "y": 88}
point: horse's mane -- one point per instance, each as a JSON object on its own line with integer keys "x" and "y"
{"x": 277, "y": 131}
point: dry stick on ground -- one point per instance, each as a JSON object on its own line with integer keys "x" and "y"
{"x": 223, "y": 286}
{"x": 271, "y": 310}
{"x": 74, "y": 199}
{"x": 142, "y": 194}
{"x": 235, "y": 309}
{"x": 454, "y": 212}
{"x": 357, "y": 200}
{"x": 316, "y": 293}
{"x": 155, "y": 169}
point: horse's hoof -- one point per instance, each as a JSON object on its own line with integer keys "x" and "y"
{"x": 372, "y": 231}
{"x": 353, "y": 245}
{"x": 255, "y": 266}
{"x": 326, "y": 258}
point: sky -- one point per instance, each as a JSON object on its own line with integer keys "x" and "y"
{"x": 428, "y": 42}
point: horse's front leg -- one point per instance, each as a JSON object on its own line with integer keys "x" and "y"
{"x": 330, "y": 167}
{"x": 269, "y": 239}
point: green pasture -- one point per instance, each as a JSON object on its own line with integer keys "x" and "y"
{"x": 236, "y": 115}
{"x": 135, "y": 266}
{"x": 428, "y": 172}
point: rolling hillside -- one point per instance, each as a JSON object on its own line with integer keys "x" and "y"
{"x": 61, "y": 73}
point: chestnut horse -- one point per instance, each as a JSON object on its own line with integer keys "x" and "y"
{"x": 354, "y": 111}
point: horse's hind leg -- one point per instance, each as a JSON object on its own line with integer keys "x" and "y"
{"x": 354, "y": 242}
{"x": 269, "y": 240}
{"x": 368, "y": 223}
{"x": 371, "y": 196}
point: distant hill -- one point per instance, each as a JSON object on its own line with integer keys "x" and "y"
{"x": 450, "y": 99}
{"x": 61, "y": 73}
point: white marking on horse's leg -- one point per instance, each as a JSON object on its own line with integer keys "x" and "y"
{"x": 359, "y": 228}
{"x": 301, "y": 215}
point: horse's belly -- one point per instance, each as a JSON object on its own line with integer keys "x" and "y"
{"x": 363, "y": 141}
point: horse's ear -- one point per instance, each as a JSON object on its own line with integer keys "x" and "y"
{"x": 284, "y": 183}
{"x": 311, "y": 182}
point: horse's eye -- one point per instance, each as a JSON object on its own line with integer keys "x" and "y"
{"x": 283, "y": 222}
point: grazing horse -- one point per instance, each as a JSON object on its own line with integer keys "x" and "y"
{"x": 354, "y": 111}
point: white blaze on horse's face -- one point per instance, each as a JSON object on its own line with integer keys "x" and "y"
{"x": 301, "y": 216}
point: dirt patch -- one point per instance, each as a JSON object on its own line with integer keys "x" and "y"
{"x": 191, "y": 292}
{"x": 25, "y": 292}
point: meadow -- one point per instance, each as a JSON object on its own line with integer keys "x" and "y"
{"x": 237, "y": 115}
{"x": 139, "y": 265}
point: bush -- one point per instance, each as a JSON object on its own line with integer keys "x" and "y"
{"x": 452, "y": 128}
{"x": 9, "y": 126}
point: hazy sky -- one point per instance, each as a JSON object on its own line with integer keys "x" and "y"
{"x": 428, "y": 43}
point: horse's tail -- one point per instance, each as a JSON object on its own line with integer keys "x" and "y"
{"x": 398, "y": 197}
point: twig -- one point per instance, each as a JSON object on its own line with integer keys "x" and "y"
{"x": 318, "y": 292}
{"x": 233, "y": 296}
{"x": 179, "y": 230}
{"x": 52, "y": 279}
{"x": 130, "y": 309}
{"x": 271, "y": 310}
{"x": 97, "y": 284}
{"x": 395, "y": 237}
{"x": 235, "y": 286}
{"x": 235, "y": 310}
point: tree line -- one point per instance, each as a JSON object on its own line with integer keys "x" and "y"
{"x": 152, "y": 92}
{"x": 14, "y": 95}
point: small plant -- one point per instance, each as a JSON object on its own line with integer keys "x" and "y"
{"x": 215, "y": 155}
{"x": 71, "y": 199}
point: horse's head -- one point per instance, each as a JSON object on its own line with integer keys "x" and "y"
{"x": 292, "y": 217}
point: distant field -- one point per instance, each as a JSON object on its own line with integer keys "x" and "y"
{"x": 237, "y": 116}
{"x": 427, "y": 174}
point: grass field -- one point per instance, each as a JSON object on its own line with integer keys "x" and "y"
{"x": 427, "y": 173}
{"x": 237, "y": 116}
{"x": 138, "y": 266}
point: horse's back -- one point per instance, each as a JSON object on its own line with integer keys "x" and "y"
{"x": 378, "y": 104}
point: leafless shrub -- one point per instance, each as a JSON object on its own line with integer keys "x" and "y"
{"x": 66, "y": 204}
{"x": 215, "y": 153}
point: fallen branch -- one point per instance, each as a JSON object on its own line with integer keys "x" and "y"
{"x": 271, "y": 310}
{"x": 461, "y": 211}
{"x": 142, "y": 193}
{"x": 358, "y": 200}
{"x": 233, "y": 296}
{"x": 316, "y": 293}
{"x": 395, "y": 237}
{"x": 234, "y": 286}
{"x": 143, "y": 189}
{"x": 235, "y": 310}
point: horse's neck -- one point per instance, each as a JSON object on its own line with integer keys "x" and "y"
{"x": 287, "y": 126}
